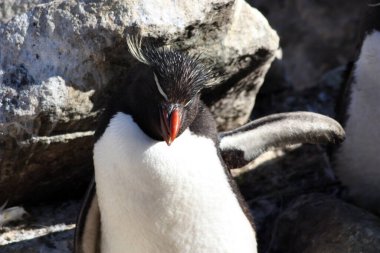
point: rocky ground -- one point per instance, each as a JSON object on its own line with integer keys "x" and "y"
{"x": 284, "y": 188}
{"x": 48, "y": 228}
{"x": 271, "y": 184}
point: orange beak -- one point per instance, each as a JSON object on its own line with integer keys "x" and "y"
{"x": 170, "y": 123}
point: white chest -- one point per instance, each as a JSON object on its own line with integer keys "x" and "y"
{"x": 358, "y": 160}
{"x": 159, "y": 198}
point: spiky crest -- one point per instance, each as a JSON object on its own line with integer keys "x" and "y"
{"x": 134, "y": 46}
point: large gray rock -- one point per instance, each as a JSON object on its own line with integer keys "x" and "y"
{"x": 10, "y": 8}
{"x": 49, "y": 228}
{"x": 316, "y": 35}
{"x": 297, "y": 207}
{"x": 317, "y": 223}
{"x": 57, "y": 62}
{"x": 274, "y": 184}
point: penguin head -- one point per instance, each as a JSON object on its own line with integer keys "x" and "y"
{"x": 166, "y": 93}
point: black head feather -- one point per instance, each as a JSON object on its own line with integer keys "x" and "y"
{"x": 166, "y": 81}
{"x": 180, "y": 75}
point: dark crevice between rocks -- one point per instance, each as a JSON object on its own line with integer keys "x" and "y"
{"x": 45, "y": 176}
{"x": 275, "y": 185}
{"x": 279, "y": 95}
{"x": 18, "y": 77}
{"x": 214, "y": 94}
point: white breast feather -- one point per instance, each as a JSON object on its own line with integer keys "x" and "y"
{"x": 167, "y": 199}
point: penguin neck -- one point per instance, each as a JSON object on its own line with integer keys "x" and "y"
{"x": 357, "y": 160}
{"x": 159, "y": 198}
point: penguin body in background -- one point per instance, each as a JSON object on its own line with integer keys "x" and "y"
{"x": 357, "y": 160}
{"x": 161, "y": 182}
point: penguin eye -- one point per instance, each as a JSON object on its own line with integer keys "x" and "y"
{"x": 159, "y": 87}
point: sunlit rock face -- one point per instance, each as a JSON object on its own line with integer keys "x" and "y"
{"x": 59, "y": 59}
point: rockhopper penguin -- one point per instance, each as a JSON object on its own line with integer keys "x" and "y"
{"x": 358, "y": 160}
{"x": 161, "y": 182}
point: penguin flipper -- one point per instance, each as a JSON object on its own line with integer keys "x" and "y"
{"x": 242, "y": 145}
{"x": 87, "y": 232}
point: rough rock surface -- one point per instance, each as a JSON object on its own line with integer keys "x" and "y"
{"x": 274, "y": 184}
{"x": 296, "y": 200}
{"x": 337, "y": 227}
{"x": 316, "y": 35}
{"x": 298, "y": 206}
{"x": 57, "y": 60}
{"x": 295, "y": 192}
{"x": 10, "y": 8}
{"x": 48, "y": 229}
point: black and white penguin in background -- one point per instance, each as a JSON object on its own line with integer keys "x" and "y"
{"x": 161, "y": 183}
{"x": 357, "y": 161}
